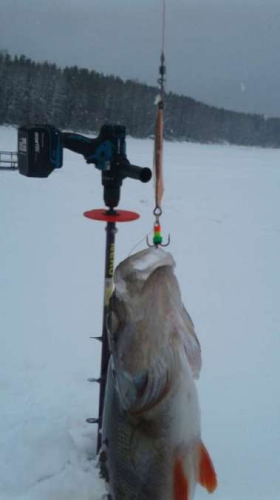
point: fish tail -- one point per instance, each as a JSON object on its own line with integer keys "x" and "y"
{"x": 191, "y": 466}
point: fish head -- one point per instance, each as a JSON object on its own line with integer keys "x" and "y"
{"x": 142, "y": 308}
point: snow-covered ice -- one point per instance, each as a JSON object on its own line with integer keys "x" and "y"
{"x": 221, "y": 206}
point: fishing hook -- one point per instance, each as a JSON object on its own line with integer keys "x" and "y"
{"x": 157, "y": 239}
{"x": 158, "y": 244}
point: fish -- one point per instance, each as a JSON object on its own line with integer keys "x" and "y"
{"x": 151, "y": 431}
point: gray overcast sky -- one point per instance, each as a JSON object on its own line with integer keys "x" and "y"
{"x": 223, "y": 52}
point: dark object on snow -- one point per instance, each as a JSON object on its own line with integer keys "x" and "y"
{"x": 8, "y": 160}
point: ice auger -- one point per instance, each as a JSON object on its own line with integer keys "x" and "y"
{"x": 40, "y": 152}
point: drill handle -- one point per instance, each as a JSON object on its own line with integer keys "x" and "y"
{"x": 78, "y": 143}
{"x": 135, "y": 172}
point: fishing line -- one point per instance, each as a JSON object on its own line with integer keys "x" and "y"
{"x": 163, "y": 25}
{"x": 139, "y": 242}
{"x": 158, "y": 141}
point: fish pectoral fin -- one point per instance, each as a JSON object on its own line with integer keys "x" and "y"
{"x": 180, "y": 481}
{"x": 206, "y": 472}
{"x": 155, "y": 388}
{"x": 154, "y": 394}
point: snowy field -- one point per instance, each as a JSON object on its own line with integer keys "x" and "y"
{"x": 222, "y": 208}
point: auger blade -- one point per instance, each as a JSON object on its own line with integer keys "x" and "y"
{"x": 100, "y": 339}
{"x": 93, "y": 420}
{"x": 97, "y": 380}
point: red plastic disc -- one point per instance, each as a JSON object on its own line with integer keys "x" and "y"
{"x": 120, "y": 216}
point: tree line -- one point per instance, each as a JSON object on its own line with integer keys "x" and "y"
{"x": 82, "y": 100}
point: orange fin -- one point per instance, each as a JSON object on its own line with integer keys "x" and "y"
{"x": 206, "y": 472}
{"x": 180, "y": 482}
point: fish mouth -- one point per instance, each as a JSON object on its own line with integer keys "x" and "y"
{"x": 138, "y": 268}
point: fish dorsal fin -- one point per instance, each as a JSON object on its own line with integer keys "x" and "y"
{"x": 191, "y": 343}
{"x": 206, "y": 472}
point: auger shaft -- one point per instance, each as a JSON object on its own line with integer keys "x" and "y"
{"x": 108, "y": 286}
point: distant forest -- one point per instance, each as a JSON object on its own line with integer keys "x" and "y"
{"x": 81, "y": 100}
